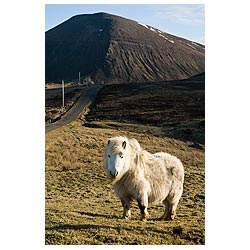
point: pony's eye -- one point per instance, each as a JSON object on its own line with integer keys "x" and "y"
{"x": 121, "y": 156}
{"x": 108, "y": 156}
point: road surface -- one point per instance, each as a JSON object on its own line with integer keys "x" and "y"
{"x": 73, "y": 113}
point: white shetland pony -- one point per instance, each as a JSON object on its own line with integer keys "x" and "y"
{"x": 147, "y": 178}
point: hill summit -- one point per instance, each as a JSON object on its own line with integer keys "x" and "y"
{"x": 110, "y": 48}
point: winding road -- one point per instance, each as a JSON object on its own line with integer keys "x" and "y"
{"x": 74, "y": 112}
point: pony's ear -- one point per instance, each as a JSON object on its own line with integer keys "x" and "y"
{"x": 108, "y": 141}
{"x": 124, "y": 144}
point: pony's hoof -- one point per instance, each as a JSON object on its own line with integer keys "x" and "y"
{"x": 144, "y": 217}
{"x": 172, "y": 216}
{"x": 127, "y": 217}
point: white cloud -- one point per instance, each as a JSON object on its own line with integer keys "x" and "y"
{"x": 184, "y": 14}
{"x": 184, "y": 20}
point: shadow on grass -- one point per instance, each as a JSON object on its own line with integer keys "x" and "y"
{"x": 113, "y": 216}
{"x": 80, "y": 227}
{"x": 99, "y": 215}
{"x": 119, "y": 228}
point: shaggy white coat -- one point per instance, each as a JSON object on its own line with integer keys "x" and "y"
{"x": 139, "y": 175}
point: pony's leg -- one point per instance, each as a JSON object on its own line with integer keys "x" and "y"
{"x": 166, "y": 212}
{"x": 126, "y": 203}
{"x": 173, "y": 202}
{"x": 170, "y": 209}
{"x": 143, "y": 205}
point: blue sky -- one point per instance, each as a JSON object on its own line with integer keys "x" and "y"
{"x": 185, "y": 20}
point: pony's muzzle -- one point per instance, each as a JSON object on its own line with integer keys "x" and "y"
{"x": 113, "y": 174}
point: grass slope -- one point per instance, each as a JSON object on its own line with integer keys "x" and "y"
{"x": 81, "y": 207}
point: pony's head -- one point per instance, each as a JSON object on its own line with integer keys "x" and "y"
{"x": 117, "y": 157}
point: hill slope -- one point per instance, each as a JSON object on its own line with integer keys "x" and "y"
{"x": 176, "y": 108}
{"x": 115, "y": 49}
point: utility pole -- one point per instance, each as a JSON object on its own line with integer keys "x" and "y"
{"x": 63, "y": 93}
{"x": 79, "y": 77}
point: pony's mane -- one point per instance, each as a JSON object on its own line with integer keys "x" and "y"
{"x": 134, "y": 144}
{"x": 145, "y": 158}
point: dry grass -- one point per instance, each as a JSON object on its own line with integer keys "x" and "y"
{"x": 81, "y": 207}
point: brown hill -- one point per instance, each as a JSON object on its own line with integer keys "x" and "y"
{"x": 116, "y": 49}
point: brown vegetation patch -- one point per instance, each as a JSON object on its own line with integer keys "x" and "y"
{"x": 176, "y": 108}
